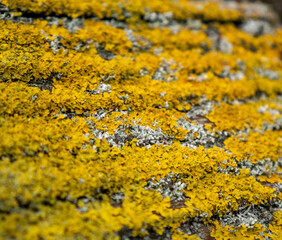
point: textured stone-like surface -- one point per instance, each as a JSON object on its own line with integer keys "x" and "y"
{"x": 140, "y": 120}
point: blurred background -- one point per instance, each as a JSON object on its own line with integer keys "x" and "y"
{"x": 277, "y": 5}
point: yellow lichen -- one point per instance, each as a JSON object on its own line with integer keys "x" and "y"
{"x": 91, "y": 119}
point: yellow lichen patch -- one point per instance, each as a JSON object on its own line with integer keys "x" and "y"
{"x": 256, "y": 146}
{"x": 212, "y": 11}
{"x": 109, "y": 38}
{"x": 109, "y": 8}
{"x": 261, "y": 44}
{"x": 182, "y": 236}
{"x": 27, "y": 60}
{"x": 113, "y": 169}
{"x": 275, "y": 226}
{"x": 45, "y": 139}
{"x": 274, "y": 178}
{"x": 183, "y": 40}
{"x": 237, "y": 117}
{"x": 269, "y": 87}
{"x": 257, "y": 232}
{"x": 225, "y": 199}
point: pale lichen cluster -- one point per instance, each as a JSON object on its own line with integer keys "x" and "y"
{"x": 140, "y": 119}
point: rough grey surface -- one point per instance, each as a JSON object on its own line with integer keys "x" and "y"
{"x": 165, "y": 72}
{"x": 264, "y": 167}
{"x": 268, "y": 73}
{"x": 257, "y": 27}
{"x": 261, "y": 214}
{"x": 102, "y": 88}
{"x": 169, "y": 186}
{"x": 199, "y": 136}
